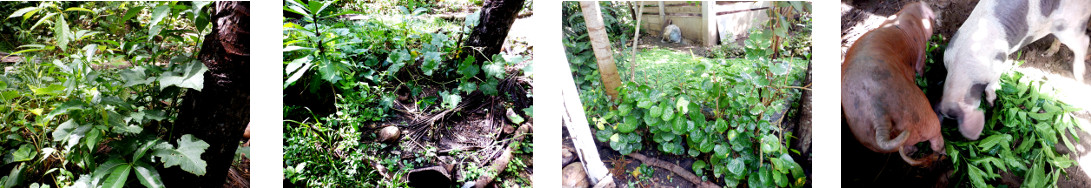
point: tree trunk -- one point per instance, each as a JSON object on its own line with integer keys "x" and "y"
{"x": 495, "y": 21}
{"x": 600, "y": 43}
{"x": 220, "y": 112}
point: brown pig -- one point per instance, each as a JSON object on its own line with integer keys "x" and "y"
{"x": 881, "y": 102}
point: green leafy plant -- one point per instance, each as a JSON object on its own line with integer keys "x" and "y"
{"x": 726, "y": 113}
{"x": 79, "y": 119}
{"x": 380, "y": 68}
{"x": 1019, "y": 136}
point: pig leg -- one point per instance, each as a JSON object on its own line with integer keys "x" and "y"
{"x": 937, "y": 150}
{"x": 937, "y": 144}
{"x": 1077, "y": 41}
{"x": 990, "y": 91}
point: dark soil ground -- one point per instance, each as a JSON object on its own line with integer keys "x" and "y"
{"x": 861, "y": 167}
{"x": 650, "y": 41}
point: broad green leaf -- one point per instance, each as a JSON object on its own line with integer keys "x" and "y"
{"x": 148, "y": 176}
{"x": 765, "y": 175}
{"x": 135, "y": 76}
{"x": 644, "y": 103}
{"x": 780, "y": 178}
{"x": 158, "y": 14}
{"x": 118, "y": 176}
{"x": 92, "y": 139}
{"x": 793, "y": 167}
{"x": 656, "y": 111}
{"x": 993, "y": 140}
{"x": 61, "y": 32}
{"x": 143, "y": 149}
{"x": 450, "y": 100}
{"x": 397, "y": 59}
{"x": 129, "y": 14}
{"x": 201, "y": 21}
{"x": 624, "y": 109}
{"x": 20, "y": 12}
{"x": 721, "y": 151}
{"x": 9, "y": 95}
{"x": 629, "y": 125}
{"x": 187, "y": 155}
{"x": 31, "y": 13}
{"x": 494, "y": 69}
{"x": 976, "y": 176}
{"x": 699, "y": 167}
{"x": 432, "y": 62}
{"x": 14, "y": 176}
{"x": 706, "y": 145}
{"x": 682, "y": 105}
{"x": 191, "y": 76}
{"x": 70, "y": 131}
{"x": 668, "y": 112}
{"x": 736, "y": 166}
{"x": 197, "y": 7}
{"x": 104, "y": 169}
{"x": 678, "y": 126}
{"x": 295, "y": 48}
{"x": 297, "y": 68}
{"x": 26, "y": 152}
{"x": 489, "y": 87}
{"x": 769, "y": 144}
{"x": 467, "y": 87}
{"x": 467, "y": 68}
{"x": 721, "y": 125}
{"x": 780, "y": 68}
{"x": 79, "y": 9}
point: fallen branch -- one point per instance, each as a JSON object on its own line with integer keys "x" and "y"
{"x": 501, "y": 162}
{"x": 683, "y": 172}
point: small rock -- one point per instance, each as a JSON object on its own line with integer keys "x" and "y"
{"x": 567, "y": 155}
{"x": 389, "y": 134}
{"x": 508, "y": 129}
{"x": 574, "y": 176}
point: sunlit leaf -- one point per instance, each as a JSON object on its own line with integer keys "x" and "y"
{"x": 187, "y": 154}
{"x": 191, "y": 76}
{"x": 148, "y": 175}
{"x": 118, "y": 176}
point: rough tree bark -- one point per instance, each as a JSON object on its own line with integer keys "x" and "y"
{"x": 600, "y": 43}
{"x": 495, "y": 21}
{"x": 220, "y": 112}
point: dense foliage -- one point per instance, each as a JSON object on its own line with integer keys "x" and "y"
{"x": 93, "y": 101}
{"x": 725, "y": 112}
{"x": 367, "y": 62}
{"x": 1020, "y": 136}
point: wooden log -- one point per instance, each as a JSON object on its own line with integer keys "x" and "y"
{"x": 683, "y": 172}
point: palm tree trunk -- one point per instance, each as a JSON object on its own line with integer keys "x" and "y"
{"x": 600, "y": 43}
